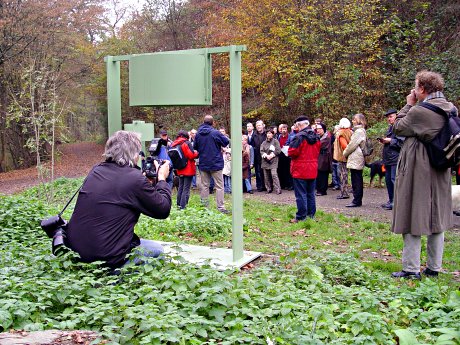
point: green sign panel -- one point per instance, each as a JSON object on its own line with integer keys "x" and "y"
{"x": 169, "y": 79}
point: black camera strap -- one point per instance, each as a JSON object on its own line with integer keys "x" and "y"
{"x": 70, "y": 200}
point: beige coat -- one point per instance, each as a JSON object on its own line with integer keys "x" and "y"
{"x": 422, "y": 202}
{"x": 338, "y": 152}
{"x": 353, "y": 153}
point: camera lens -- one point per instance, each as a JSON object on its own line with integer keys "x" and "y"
{"x": 58, "y": 246}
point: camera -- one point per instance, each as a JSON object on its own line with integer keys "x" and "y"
{"x": 55, "y": 228}
{"x": 149, "y": 168}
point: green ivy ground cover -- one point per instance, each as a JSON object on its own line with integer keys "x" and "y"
{"x": 309, "y": 296}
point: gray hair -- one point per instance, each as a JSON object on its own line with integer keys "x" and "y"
{"x": 123, "y": 147}
{"x": 303, "y": 122}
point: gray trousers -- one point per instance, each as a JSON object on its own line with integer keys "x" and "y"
{"x": 271, "y": 176}
{"x": 219, "y": 184}
{"x": 411, "y": 252}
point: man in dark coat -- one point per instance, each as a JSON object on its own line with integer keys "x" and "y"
{"x": 422, "y": 203}
{"x": 258, "y": 138}
{"x": 209, "y": 143}
{"x": 391, "y": 147}
{"x": 110, "y": 202}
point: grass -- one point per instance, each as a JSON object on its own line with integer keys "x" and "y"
{"x": 267, "y": 229}
{"x": 317, "y": 292}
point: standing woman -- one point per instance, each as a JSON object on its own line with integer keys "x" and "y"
{"x": 247, "y": 164}
{"x": 186, "y": 174}
{"x": 324, "y": 159}
{"x": 342, "y": 138}
{"x": 355, "y": 158}
{"x": 269, "y": 151}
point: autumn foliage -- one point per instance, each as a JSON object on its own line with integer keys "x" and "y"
{"x": 321, "y": 58}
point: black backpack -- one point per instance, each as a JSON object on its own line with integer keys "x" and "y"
{"x": 443, "y": 149}
{"x": 178, "y": 159}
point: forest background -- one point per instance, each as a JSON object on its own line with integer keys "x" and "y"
{"x": 321, "y": 58}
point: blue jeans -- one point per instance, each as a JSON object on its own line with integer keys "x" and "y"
{"x": 147, "y": 249}
{"x": 227, "y": 184}
{"x": 390, "y": 177}
{"x": 247, "y": 183}
{"x": 335, "y": 174}
{"x": 304, "y": 191}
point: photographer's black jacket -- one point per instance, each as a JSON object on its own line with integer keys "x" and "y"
{"x": 107, "y": 209}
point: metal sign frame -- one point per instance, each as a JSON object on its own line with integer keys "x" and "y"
{"x": 234, "y": 52}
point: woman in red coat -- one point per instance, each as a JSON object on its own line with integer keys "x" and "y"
{"x": 186, "y": 174}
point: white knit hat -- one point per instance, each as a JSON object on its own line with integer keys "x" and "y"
{"x": 344, "y": 123}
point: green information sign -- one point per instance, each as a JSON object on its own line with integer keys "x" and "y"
{"x": 169, "y": 79}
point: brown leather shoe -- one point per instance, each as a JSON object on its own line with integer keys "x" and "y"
{"x": 294, "y": 220}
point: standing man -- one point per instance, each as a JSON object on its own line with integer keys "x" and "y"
{"x": 209, "y": 143}
{"x": 304, "y": 152}
{"x": 422, "y": 203}
{"x": 250, "y": 129}
{"x": 257, "y": 139}
{"x": 391, "y": 147}
{"x": 161, "y": 152}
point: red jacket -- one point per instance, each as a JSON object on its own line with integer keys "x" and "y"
{"x": 304, "y": 151}
{"x": 190, "y": 168}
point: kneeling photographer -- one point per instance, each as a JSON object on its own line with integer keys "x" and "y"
{"x": 110, "y": 202}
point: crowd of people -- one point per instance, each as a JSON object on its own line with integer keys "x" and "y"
{"x": 115, "y": 194}
{"x": 271, "y": 158}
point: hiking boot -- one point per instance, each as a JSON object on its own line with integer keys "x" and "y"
{"x": 405, "y": 274}
{"x": 430, "y": 273}
{"x": 388, "y": 207}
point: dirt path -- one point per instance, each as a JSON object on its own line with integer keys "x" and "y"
{"x": 74, "y": 160}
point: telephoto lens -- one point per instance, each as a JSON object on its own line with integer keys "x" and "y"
{"x": 58, "y": 246}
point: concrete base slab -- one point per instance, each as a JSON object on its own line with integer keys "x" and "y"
{"x": 220, "y": 258}
{"x": 47, "y": 337}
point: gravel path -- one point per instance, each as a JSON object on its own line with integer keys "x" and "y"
{"x": 372, "y": 199}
